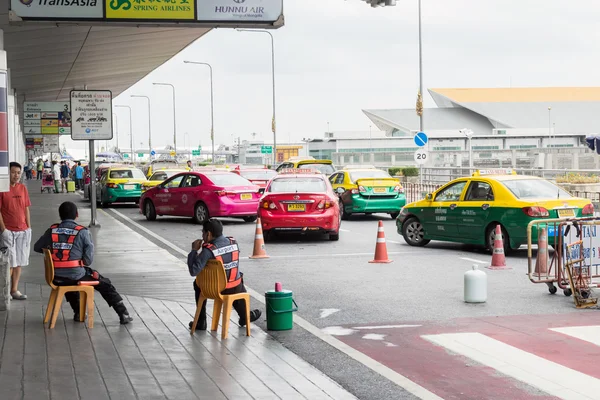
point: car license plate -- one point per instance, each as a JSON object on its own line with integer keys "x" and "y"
{"x": 246, "y": 196}
{"x": 129, "y": 187}
{"x": 379, "y": 190}
{"x": 569, "y": 212}
{"x": 296, "y": 207}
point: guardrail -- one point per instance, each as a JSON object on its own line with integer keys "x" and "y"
{"x": 418, "y": 191}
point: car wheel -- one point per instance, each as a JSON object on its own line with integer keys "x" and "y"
{"x": 150, "y": 210}
{"x": 250, "y": 219}
{"x": 394, "y": 215}
{"x": 491, "y": 235}
{"x": 334, "y": 236}
{"x": 413, "y": 232}
{"x": 345, "y": 215}
{"x": 200, "y": 213}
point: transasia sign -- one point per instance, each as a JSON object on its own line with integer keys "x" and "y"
{"x": 265, "y": 13}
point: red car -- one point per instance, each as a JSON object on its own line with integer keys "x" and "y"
{"x": 202, "y": 195}
{"x": 258, "y": 176}
{"x": 300, "y": 201}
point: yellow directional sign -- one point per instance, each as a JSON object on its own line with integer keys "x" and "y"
{"x": 175, "y": 10}
{"x": 172, "y": 153}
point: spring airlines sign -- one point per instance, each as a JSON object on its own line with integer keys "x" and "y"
{"x": 265, "y": 13}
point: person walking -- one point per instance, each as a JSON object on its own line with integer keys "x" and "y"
{"x": 15, "y": 225}
{"x": 40, "y": 168}
{"x": 30, "y": 168}
{"x": 214, "y": 245}
{"x": 79, "y": 175}
{"x": 64, "y": 175}
{"x": 72, "y": 254}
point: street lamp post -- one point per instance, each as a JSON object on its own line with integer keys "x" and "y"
{"x": 212, "y": 108}
{"x": 549, "y": 125}
{"x": 130, "y": 131}
{"x": 273, "y": 122}
{"x": 469, "y": 134}
{"x": 174, "y": 115}
{"x": 117, "y": 129}
{"x": 149, "y": 123}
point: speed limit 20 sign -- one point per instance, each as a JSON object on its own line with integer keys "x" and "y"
{"x": 421, "y": 156}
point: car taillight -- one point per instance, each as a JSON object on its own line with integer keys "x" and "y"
{"x": 354, "y": 191}
{"x": 221, "y": 192}
{"x": 536, "y": 211}
{"x": 362, "y": 189}
{"x": 112, "y": 185}
{"x": 588, "y": 209}
{"x": 324, "y": 204}
{"x": 269, "y": 205}
{"x": 398, "y": 189}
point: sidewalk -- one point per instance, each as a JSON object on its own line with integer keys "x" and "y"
{"x": 155, "y": 357}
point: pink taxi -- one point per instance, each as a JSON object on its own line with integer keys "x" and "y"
{"x": 202, "y": 195}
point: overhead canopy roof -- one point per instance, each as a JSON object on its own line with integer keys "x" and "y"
{"x": 47, "y": 61}
{"x": 520, "y": 95}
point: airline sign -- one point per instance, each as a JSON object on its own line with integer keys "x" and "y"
{"x": 212, "y": 13}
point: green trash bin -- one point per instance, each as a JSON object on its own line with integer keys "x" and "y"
{"x": 280, "y": 306}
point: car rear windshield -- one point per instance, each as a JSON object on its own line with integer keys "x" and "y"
{"x": 126, "y": 174}
{"x": 376, "y": 173}
{"x": 326, "y": 169}
{"x": 535, "y": 189}
{"x": 228, "y": 179}
{"x": 265, "y": 175}
{"x": 298, "y": 185}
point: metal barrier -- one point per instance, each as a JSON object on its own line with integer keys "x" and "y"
{"x": 575, "y": 263}
{"x": 418, "y": 191}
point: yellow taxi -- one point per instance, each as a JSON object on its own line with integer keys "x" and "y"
{"x": 120, "y": 184}
{"x": 323, "y": 166}
{"x": 160, "y": 176}
{"x": 367, "y": 190}
{"x": 467, "y": 210}
{"x": 159, "y": 165}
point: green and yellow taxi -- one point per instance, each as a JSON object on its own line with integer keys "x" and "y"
{"x": 160, "y": 176}
{"x": 120, "y": 185}
{"x": 367, "y": 190}
{"x": 467, "y": 210}
{"x": 323, "y": 166}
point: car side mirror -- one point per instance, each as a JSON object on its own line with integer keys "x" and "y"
{"x": 340, "y": 190}
{"x": 429, "y": 197}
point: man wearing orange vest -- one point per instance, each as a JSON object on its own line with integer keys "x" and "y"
{"x": 73, "y": 252}
{"x": 214, "y": 245}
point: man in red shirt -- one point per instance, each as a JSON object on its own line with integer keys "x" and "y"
{"x": 15, "y": 226}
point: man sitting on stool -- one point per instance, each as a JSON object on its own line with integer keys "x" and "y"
{"x": 73, "y": 252}
{"x": 214, "y": 245}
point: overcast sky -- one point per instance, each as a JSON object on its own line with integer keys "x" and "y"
{"x": 334, "y": 58}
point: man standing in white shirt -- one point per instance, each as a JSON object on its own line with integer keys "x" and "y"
{"x": 56, "y": 175}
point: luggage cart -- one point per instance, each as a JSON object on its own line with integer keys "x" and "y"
{"x": 47, "y": 180}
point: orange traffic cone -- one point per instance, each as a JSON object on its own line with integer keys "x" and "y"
{"x": 381, "y": 255}
{"x": 541, "y": 260}
{"x": 498, "y": 259}
{"x": 259, "y": 242}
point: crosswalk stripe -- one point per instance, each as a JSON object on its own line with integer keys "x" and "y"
{"x": 588, "y": 333}
{"x": 548, "y": 376}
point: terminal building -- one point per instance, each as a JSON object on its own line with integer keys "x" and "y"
{"x": 518, "y": 127}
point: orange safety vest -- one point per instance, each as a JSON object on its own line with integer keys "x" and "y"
{"x": 62, "y": 243}
{"x": 229, "y": 256}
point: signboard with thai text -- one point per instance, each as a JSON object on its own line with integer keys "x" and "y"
{"x": 92, "y": 115}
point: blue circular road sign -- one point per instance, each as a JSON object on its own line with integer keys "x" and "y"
{"x": 152, "y": 153}
{"x": 421, "y": 139}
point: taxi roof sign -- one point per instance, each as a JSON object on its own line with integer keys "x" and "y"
{"x": 292, "y": 171}
{"x": 506, "y": 171}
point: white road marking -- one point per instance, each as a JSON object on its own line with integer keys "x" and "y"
{"x": 474, "y": 260}
{"x": 374, "y": 336}
{"x": 393, "y": 241}
{"x": 550, "y": 377}
{"x": 386, "y": 327}
{"x": 388, "y": 344}
{"x": 337, "y": 330}
{"x": 345, "y": 230}
{"x": 326, "y": 312}
{"x": 588, "y": 333}
{"x": 367, "y": 361}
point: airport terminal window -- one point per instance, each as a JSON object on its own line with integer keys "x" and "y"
{"x": 451, "y": 193}
{"x": 485, "y": 147}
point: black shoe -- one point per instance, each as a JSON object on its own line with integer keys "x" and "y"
{"x": 254, "y": 315}
{"x": 125, "y": 318}
{"x": 201, "y": 326}
{"x": 76, "y": 317}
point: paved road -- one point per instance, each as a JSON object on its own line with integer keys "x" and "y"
{"x": 418, "y": 295}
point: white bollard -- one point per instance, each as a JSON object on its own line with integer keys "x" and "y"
{"x": 475, "y": 286}
{"x": 4, "y": 281}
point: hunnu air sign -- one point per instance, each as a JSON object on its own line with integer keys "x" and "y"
{"x": 267, "y": 13}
